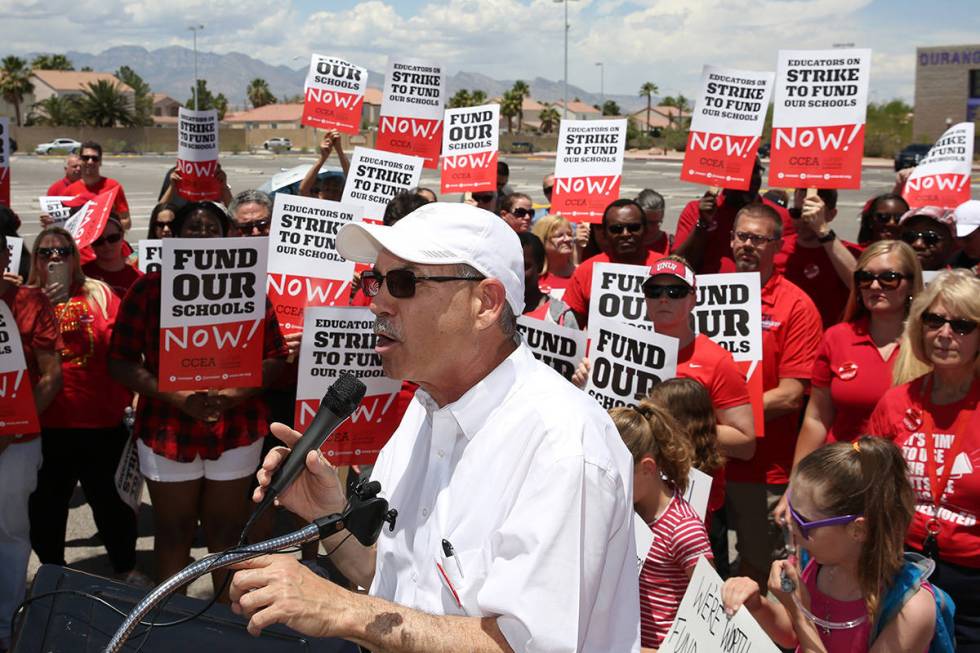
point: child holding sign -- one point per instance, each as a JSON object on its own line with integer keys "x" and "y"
{"x": 851, "y": 505}
{"x": 662, "y": 455}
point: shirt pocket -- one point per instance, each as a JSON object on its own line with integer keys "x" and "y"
{"x": 459, "y": 591}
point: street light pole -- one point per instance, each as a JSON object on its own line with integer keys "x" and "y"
{"x": 602, "y": 85}
{"x": 194, "y": 29}
{"x": 565, "y": 81}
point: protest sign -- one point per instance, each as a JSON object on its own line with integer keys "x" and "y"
{"x": 15, "y": 246}
{"x": 942, "y": 178}
{"x": 627, "y": 362}
{"x": 304, "y": 266}
{"x": 87, "y": 224}
{"x": 341, "y": 339}
{"x": 818, "y": 118}
{"x": 617, "y": 293}
{"x": 469, "y": 149}
{"x": 728, "y": 119}
{"x": 410, "y": 120}
{"x": 54, "y": 206}
{"x": 212, "y": 313}
{"x": 197, "y": 155}
{"x": 150, "y": 255}
{"x": 375, "y": 177}
{"x": 702, "y": 625}
{"x": 333, "y": 97}
{"x": 588, "y": 168}
{"x": 18, "y": 415}
{"x": 5, "y": 161}
{"x": 556, "y": 346}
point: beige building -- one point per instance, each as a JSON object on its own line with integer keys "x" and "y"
{"x": 71, "y": 83}
{"x": 289, "y": 116}
{"x": 947, "y": 89}
{"x": 166, "y": 110}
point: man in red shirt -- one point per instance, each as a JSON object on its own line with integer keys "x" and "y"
{"x": 73, "y": 172}
{"x": 790, "y": 338}
{"x": 92, "y": 182}
{"x": 705, "y": 225}
{"x": 654, "y": 206}
{"x": 815, "y": 259}
{"x": 620, "y": 238}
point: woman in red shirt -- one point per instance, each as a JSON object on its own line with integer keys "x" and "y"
{"x": 82, "y": 431}
{"x": 935, "y": 421}
{"x": 110, "y": 263}
{"x": 557, "y": 236}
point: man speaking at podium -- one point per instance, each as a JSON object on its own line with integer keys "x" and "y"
{"x": 513, "y": 488}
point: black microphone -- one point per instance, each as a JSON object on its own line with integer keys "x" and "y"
{"x": 337, "y": 405}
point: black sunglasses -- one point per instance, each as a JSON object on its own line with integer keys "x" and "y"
{"x": 48, "y": 252}
{"x": 887, "y": 218}
{"x": 889, "y": 280}
{"x": 401, "y": 283}
{"x": 960, "y": 326}
{"x": 522, "y": 212}
{"x": 90, "y": 157}
{"x": 930, "y": 238}
{"x": 247, "y": 227}
{"x": 632, "y": 227}
{"x": 112, "y": 239}
{"x": 674, "y": 292}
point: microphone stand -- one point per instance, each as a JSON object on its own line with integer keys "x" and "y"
{"x": 364, "y": 517}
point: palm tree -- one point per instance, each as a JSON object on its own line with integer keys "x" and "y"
{"x": 460, "y": 98}
{"x": 510, "y": 106}
{"x": 220, "y": 104}
{"x": 56, "y": 111}
{"x": 648, "y": 90}
{"x": 52, "y": 62}
{"x": 477, "y": 98}
{"x": 549, "y": 118}
{"x": 259, "y": 94}
{"x": 142, "y": 97}
{"x": 15, "y": 82}
{"x": 104, "y": 105}
{"x": 522, "y": 90}
{"x": 669, "y": 101}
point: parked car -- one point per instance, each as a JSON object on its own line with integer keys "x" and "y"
{"x": 278, "y": 143}
{"x": 69, "y": 145}
{"x": 911, "y": 156}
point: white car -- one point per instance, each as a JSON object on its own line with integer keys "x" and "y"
{"x": 278, "y": 143}
{"x": 58, "y": 145}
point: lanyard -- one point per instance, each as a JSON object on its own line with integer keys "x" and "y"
{"x": 938, "y": 485}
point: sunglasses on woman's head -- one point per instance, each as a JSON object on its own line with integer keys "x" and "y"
{"x": 112, "y": 239}
{"x": 960, "y": 326}
{"x": 401, "y": 283}
{"x": 889, "y": 280}
{"x": 48, "y": 252}
{"x": 806, "y": 525}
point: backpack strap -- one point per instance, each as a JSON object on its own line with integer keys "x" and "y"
{"x": 908, "y": 581}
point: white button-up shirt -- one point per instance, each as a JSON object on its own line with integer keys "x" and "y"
{"x": 529, "y": 481}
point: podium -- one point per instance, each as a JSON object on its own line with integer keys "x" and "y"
{"x": 71, "y": 623}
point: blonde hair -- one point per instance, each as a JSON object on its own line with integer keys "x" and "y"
{"x": 648, "y": 430}
{"x": 959, "y": 291}
{"x": 546, "y": 227}
{"x": 908, "y": 262}
{"x": 96, "y": 292}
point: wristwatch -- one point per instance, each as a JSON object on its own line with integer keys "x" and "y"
{"x": 827, "y": 237}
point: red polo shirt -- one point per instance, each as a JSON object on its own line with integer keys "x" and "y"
{"x": 791, "y": 335}
{"x": 810, "y": 268}
{"x": 579, "y": 291}
{"x": 58, "y": 188}
{"x": 86, "y": 192}
{"x": 848, "y": 363}
{"x": 718, "y": 250}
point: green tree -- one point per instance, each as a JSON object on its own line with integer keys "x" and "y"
{"x": 56, "y": 111}
{"x": 510, "y": 106}
{"x": 103, "y": 105}
{"x": 15, "y": 82}
{"x": 477, "y": 98}
{"x": 220, "y": 103}
{"x": 86, "y": 69}
{"x": 888, "y": 128}
{"x": 610, "y": 108}
{"x": 460, "y": 98}
{"x": 648, "y": 90}
{"x": 205, "y": 99}
{"x": 52, "y": 62}
{"x": 521, "y": 90}
{"x": 259, "y": 94}
{"x": 142, "y": 96}
{"x": 549, "y": 117}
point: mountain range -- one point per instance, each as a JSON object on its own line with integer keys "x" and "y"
{"x": 170, "y": 70}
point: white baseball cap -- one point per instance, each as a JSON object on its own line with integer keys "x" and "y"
{"x": 444, "y": 233}
{"x": 967, "y": 216}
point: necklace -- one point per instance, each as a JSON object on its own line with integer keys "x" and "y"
{"x": 826, "y": 625}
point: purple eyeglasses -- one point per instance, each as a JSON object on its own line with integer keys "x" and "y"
{"x": 805, "y": 525}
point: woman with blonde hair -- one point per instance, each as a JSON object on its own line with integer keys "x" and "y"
{"x": 933, "y": 418}
{"x": 82, "y": 431}
{"x": 558, "y": 236}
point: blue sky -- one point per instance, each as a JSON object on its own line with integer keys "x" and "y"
{"x": 637, "y": 40}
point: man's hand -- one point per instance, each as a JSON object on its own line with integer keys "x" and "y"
{"x": 582, "y": 230}
{"x": 335, "y": 140}
{"x": 901, "y": 177}
{"x": 580, "y": 377}
{"x": 316, "y": 491}
{"x": 293, "y": 341}
{"x": 277, "y": 589}
{"x": 46, "y": 220}
{"x": 708, "y": 206}
{"x": 193, "y": 403}
{"x": 326, "y": 145}
{"x": 814, "y": 215}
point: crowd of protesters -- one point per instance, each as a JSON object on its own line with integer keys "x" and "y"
{"x": 869, "y": 373}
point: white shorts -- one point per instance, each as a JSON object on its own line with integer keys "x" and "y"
{"x": 231, "y": 465}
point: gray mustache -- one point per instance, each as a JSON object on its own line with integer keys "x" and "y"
{"x": 384, "y": 327}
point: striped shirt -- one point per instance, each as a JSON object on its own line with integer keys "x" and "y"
{"x": 679, "y": 539}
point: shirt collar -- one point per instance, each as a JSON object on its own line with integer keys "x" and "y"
{"x": 770, "y": 289}
{"x": 473, "y": 409}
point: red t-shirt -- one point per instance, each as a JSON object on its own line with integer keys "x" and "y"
{"x": 87, "y": 192}
{"x": 718, "y": 249}
{"x": 118, "y": 280}
{"x": 662, "y": 245}
{"x": 89, "y": 397}
{"x": 898, "y": 417}
{"x": 679, "y": 539}
{"x": 579, "y": 291}
{"x": 848, "y": 363}
{"x": 59, "y": 188}
{"x": 791, "y": 334}
{"x": 548, "y": 282}
{"x": 810, "y": 268}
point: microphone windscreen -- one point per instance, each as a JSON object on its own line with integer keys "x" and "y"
{"x": 344, "y": 395}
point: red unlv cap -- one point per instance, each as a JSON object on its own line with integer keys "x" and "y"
{"x": 673, "y": 268}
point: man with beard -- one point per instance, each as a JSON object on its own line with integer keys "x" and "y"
{"x": 791, "y": 333}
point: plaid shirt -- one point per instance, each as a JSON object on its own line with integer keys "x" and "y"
{"x": 167, "y": 430}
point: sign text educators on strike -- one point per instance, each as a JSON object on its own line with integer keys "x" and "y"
{"x": 469, "y": 149}
{"x": 410, "y": 121}
{"x": 333, "y": 97}
{"x": 375, "y": 177}
{"x": 942, "y": 178}
{"x": 588, "y": 168}
{"x": 820, "y": 106}
{"x": 197, "y": 155}
{"x": 212, "y": 313}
